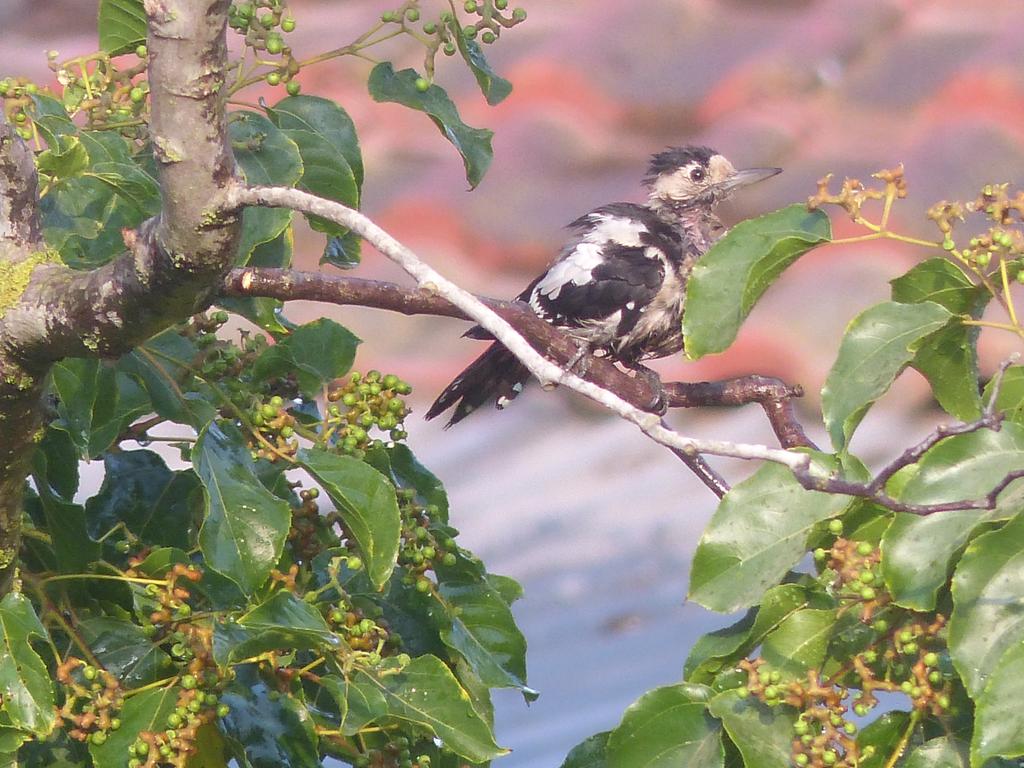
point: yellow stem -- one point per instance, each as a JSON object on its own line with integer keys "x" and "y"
{"x": 1010, "y": 309}
{"x": 101, "y": 577}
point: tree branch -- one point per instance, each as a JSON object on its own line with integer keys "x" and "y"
{"x": 547, "y": 372}
{"x": 174, "y": 264}
{"x": 513, "y": 325}
{"x": 772, "y": 394}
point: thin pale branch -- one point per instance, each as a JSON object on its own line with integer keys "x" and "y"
{"x": 437, "y": 295}
{"x": 540, "y": 367}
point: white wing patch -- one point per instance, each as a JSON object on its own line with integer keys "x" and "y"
{"x": 576, "y": 268}
{"x": 616, "y": 229}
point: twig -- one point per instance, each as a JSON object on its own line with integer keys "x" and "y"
{"x": 541, "y": 368}
{"x": 547, "y": 372}
{"x": 772, "y": 394}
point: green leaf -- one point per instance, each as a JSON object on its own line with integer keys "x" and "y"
{"x": 282, "y": 622}
{"x": 716, "y": 650}
{"x": 147, "y": 711}
{"x": 474, "y": 144}
{"x": 273, "y": 730}
{"x": 267, "y": 157}
{"x": 96, "y": 403}
{"x": 125, "y": 651}
{"x": 367, "y": 504}
{"x": 326, "y": 138}
{"x": 360, "y": 702}
{"x": 730, "y": 278}
{"x": 246, "y": 525}
{"x": 481, "y": 627}
{"x": 762, "y": 734}
{"x": 800, "y": 642}
{"x": 157, "y": 505}
{"x": 883, "y": 734}
{"x": 129, "y": 182}
{"x": 948, "y": 359}
{"x": 589, "y": 753}
{"x": 917, "y": 549}
{"x": 494, "y": 87}
{"x": 317, "y": 353}
{"x": 988, "y": 603}
{"x": 738, "y": 559}
{"x": 28, "y": 691}
{"x": 61, "y": 462}
{"x": 879, "y": 343}
{"x": 667, "y": 727}
{"x": 998, "y": 717}
{"x": 401, "y": 465}
{"x": 70, "y": 159}
{"x": 122, "y": 25}
{"x": 944, "y": 752}
{"x": 324, "y": 118}
{"x": 1011, "y": 394}
{"x": 426, "y": 694}
{"x": 65, "y": 521}
{"x": 162, "y": 365}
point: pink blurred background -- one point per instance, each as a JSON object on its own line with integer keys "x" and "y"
{"x": 597, "y": 523}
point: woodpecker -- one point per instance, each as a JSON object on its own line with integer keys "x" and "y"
{"x": 619, "y": 284}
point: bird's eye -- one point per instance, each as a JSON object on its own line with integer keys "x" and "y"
{"x": 697, "y": 174}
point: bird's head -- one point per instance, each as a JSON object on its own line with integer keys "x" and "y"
{"x": 684, "y": 177}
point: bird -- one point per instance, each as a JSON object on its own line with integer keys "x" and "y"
{"x": 618, "y": 285}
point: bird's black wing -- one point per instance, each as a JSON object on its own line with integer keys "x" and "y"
{"x": 617, "y": 289}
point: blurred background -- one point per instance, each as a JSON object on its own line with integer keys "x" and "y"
{"x": 597, "y": 523}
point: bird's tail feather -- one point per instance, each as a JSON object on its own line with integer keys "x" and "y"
{"x": 496, "y": 374}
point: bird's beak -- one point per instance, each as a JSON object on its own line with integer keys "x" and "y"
{"x": 748, "y": 176}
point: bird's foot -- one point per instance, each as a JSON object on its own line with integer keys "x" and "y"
{"x": 579, "y": 363}
{"x": 659, "y": 404}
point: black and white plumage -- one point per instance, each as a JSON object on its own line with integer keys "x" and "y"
{"x": 619, "y": 284}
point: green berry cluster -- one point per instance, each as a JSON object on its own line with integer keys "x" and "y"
{"x": 17, "y": 93}
{"x": 856, "y": 566}
{"x": 396, "y": 752}
{"x": 484, "y": 21}
{"x": 276, "y": 426}
{"x": 422, "y": 548}
{"x": 110, "y": 92}
{"x": 363, "y": 629}
{"x": 309, "y": 531}
{"x": 198, "y": 703}
{"x": 92, "y": 700}
{"x": 908, "y": 658}
{"x": 169, "y": 600}
{"x": 264, "y": 24}
{"x": 362, "y": 403}
{"x": 822, "y": 734}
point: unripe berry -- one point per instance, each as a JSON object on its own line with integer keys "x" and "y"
{"x": 470, "y": 6}
{"x": 488, "y": 37}
{"x": 273, "y": 78}
{"x": 274, "y": 45}
{"x": 429, "y": 28}
{"x": 355, "y": 564}
{"x": 288, "y": 25}
{"x": 864, "y": 548}
{"x": 293, "y": 88}
{"x": 412, "y": 14}
{"x": 141, "y": 51}
{"x": 931, "y": 659}
{"x": 422, "y": 84}
{"x": 835, "y": 527}
{"x": 519, "y": 14}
